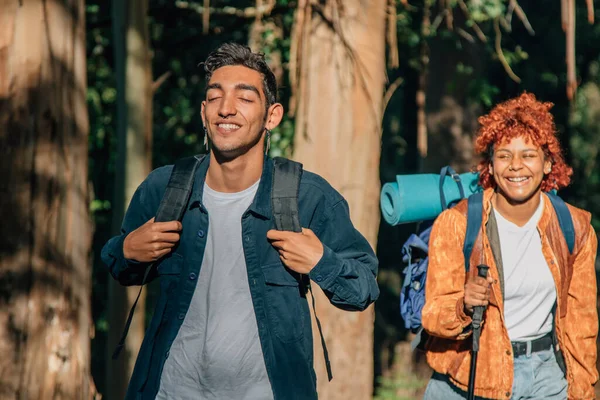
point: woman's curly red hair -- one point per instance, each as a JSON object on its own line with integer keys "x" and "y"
{"x": 528, "y": 117}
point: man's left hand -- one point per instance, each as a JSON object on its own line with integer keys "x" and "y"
{"x": 299, "y": 251}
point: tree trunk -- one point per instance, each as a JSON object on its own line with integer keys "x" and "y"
{"x": 45, "y": 233}
{"x": 134, "y": 159}
{"x": 340, "y": 60}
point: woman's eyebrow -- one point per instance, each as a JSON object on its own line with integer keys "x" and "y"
{"x": 520, "y": 151}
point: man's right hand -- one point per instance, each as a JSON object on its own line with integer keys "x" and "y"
{"x": 477, "y": 292}
{"x": 151, "y": 241}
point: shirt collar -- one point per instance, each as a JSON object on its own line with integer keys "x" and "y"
{"x": 261, "y": 205}
{"x": 543, "y": 221}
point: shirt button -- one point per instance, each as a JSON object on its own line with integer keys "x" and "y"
{"x": 192, "y": 276}
{"x": 247, "y": 238}
{"x": 507, "y": 394}
{"x": 181, "y": 316}
{"x": 319, "y": 278}
{"x": 508, "y": 352}
{"x": 201, "y": 233}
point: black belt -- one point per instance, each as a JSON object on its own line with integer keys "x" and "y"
{"x": 540, "y": 344}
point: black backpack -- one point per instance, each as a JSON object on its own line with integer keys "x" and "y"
{"x": 284, "y": 202}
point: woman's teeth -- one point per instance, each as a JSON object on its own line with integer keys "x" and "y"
{"x": 518, "y": 179}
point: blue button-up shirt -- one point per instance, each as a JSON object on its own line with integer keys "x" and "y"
{"x": 346, "y": 273}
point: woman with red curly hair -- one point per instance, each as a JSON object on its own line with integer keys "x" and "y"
{"x": 538, "y": 339}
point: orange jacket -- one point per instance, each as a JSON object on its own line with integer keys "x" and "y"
{"x": 444, "y": 318}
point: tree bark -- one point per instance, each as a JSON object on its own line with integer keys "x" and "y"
{"x": 339, "y": 76}
{"x": 45, "y": 233}
{"x": 134, "y": 160}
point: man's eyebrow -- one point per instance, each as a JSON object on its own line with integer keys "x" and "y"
{"x": 214, "y": 86}
{"x": 245, "y": 86}
{"x": 239, "y": 86}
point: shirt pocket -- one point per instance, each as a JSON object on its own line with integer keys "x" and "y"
{"x": 168, "y": 271}
{"x": 283, "y": 296}
{"x": 172, "y": 265}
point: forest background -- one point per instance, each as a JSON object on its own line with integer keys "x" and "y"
{"x": 95, "y": 94}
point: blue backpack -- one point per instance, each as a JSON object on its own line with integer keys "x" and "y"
{"x": 415, "y": 250}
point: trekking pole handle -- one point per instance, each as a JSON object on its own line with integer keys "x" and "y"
{"x": 482, "y": 271}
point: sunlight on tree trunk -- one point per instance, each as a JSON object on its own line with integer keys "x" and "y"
{"x": 338, "y": 73}
{"x": 134, "y": 159}
{"x": 45, "y": 271}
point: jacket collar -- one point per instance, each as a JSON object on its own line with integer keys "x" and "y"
{"x": 261, "y": 205}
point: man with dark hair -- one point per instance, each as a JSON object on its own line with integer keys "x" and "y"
{"x": 232, "y": 320}
{"x": 235, "y": 54}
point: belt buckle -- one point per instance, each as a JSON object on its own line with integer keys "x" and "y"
{"x": 519, "y": 348}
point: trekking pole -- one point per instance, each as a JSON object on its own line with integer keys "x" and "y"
{"x": 482, "y": 271}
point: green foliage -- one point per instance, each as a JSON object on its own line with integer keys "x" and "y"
{"x": 485, "y": 10}
{"x": 405, "y": 29}
{"x": 282, "y": 139}
{"x": 516, "y": 56}
{"x": 585, "y": 144}
{"x": 401, "y": 387}
{"x": 101, "y": 99}
{"x": 483, "y": 91}
{"x": 99, "y": 205}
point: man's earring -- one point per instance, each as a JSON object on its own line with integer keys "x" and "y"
{"x": 206, "y": 139}
{"x": 268, "y": 141}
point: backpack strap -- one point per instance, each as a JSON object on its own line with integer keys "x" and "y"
{"x": 171, "y": 208}
{"x": 474, "y": 215}
{"x": 284, "y": 194}
{"x": 284, "y": 200}
{"x": 564, "y": 220}
{"x": 173, "y": 204}
{"x": 568, "y": 230}
{"x": 449, "y": 171}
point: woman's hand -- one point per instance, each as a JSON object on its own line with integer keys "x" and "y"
{"x": 477, "y": 292}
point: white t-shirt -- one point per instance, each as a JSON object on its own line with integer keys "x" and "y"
{"x": 217, "y": 353}
{"x": 529, "y": 288}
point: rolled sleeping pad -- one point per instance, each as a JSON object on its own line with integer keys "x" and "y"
{"x": 416, "y": 197}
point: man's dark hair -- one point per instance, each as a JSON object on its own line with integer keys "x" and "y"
{"x": 230, "y": 54}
